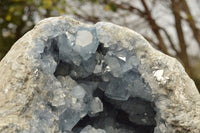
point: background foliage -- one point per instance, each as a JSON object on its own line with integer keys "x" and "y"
{"x": 171, "y": 26}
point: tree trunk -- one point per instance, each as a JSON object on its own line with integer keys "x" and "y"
{"x": 191, "y": 21}
{"x": 178, "y": 26}
{"x": 155, "y": 28}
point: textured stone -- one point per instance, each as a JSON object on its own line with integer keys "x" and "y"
{"x": 66, "y": 76}
{"x": 90, "y": 129}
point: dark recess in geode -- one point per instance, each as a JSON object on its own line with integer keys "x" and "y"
{"x": 119, "y": 118}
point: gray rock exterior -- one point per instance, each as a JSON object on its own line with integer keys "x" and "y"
{"x": 63, "y": 72}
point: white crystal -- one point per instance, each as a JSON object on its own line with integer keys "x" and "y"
{"x": 122, "y": 58}
{"x": 96, "y": 106}
{"x": 160, "y": 77}
{"x": 78, "y": 92}
{"x": 159, "y": 74}
{"x": 84, "y": 38}
{"x": 90, "y": 129}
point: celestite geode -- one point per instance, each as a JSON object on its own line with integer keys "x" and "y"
{"x": 70, "y": 77}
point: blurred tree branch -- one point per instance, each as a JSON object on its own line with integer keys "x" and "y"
{"x": 170, "y": 41}
{"x": 191, "y": 21}
{"x": 178, "y": 26}
{"x": 154, "y": 26}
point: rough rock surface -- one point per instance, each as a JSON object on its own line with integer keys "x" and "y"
{"x": 65, "y": 76}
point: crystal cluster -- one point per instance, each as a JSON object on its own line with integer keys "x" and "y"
{"x": 84, "y": 60}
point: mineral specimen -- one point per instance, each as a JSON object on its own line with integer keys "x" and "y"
{"x": 70, "y": 77}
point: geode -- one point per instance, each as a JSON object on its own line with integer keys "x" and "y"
{"x": 64, "y": 76}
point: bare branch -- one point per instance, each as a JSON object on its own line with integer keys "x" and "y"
{"x": 151, "y": 41}
{"x": 126, "y": 6}
{"x": 155, "y": 28}
{"x": 170, "y": 41}
{"x": 178, "y": 25}
{"x": 191, "y": 21}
